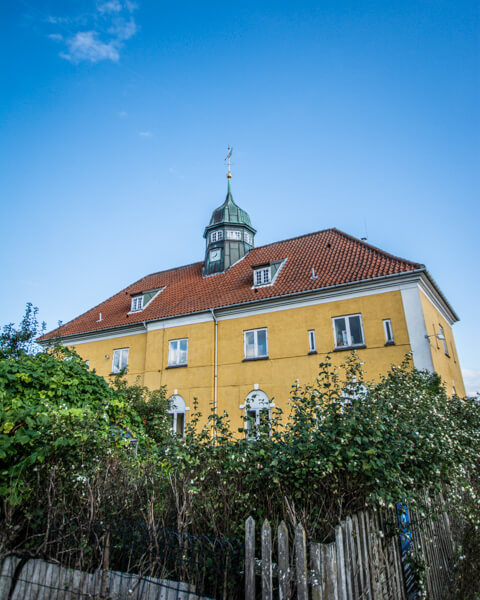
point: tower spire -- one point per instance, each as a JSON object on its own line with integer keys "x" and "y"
{"x": 227, "y": 160}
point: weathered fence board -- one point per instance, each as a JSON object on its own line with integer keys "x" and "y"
{"x": 364, "y": 562}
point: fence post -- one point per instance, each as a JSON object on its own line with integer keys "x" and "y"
{"x": 250, "y": 559}
{"x": 283, "y": 563}
{"x": 317, "y": 571}
{"x": 330, "y": 570}
{"x": 342, "y": 584}
{"x": 301, "y": 563}
{"x": 106, "y": 563}
{"x": 267, "y": 584}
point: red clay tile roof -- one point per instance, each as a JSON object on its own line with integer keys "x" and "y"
{"x": 337, "y": 258}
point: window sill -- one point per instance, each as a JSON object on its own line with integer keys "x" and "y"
{"x": 312, "y": 352}
{"x": 122, "y": 372}
{"x": 175, "y": 366}
{"x": 344, "y": 348}
{"x": 392, "y": 343}
{"x": 256, "y": 358}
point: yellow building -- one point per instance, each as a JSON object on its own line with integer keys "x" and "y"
{"x": 236, "y": 330}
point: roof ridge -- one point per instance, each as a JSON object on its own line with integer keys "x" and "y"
{"x": 296, "y": 237}
{"x": 377, "y": 249}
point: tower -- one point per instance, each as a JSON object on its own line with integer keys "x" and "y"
{"x": 229, "y": 235}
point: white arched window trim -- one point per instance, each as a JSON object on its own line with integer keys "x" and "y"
{"x": 257, "y": 406}
{"x": 177, "y": 410}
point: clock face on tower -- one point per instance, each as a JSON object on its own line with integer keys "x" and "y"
{"x": 215, "y": 254}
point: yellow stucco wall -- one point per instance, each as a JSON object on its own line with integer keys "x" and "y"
{"x": 446, "y": 365}
{"x": 287, "y": 345}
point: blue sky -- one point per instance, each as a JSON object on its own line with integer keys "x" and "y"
{"x": 116, "y": 116}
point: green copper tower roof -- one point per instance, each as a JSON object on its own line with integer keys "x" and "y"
{"x": 229, "y": 213}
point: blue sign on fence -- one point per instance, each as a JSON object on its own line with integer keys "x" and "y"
{"x": 404, "y": 525}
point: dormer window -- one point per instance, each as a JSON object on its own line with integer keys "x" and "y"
{"x": 262, "y": 276}
{"x": 137, "y": 303}
{"x": 141, "y": 301}
{"x": 234, "y": 235}
{"x": 216, "y": 236}
{"x": 267, "y": 273}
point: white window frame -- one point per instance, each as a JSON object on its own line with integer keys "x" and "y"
{"x": 122, "y": 353}
{"x": 444, "y": 340}
{"x": 248, "y": 237}
{"x": 233, "y": 234}
{"x": 255, "y": 332}
{"x": 349, "y": 335}
{"x": 177, "y": 407}
{"x": 312, "y": 341}
{"x": 256, "y": 402}
{"x": 137, "y": 303}
{"x": 216, "y": 236}
{"x": 174, "y": 355}
{"x": 262, "y": 276}
{"x": 388, "y": 329}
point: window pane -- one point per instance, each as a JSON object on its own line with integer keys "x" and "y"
{"x": 124, "y": 358}
{"x": 171, "y": 419}
{"x": 116, "y": 361}
{"x": 249, "y": 344}
{"x": 172, "y": 352}
{"x": 180, "y": 424}
{"x": 262, "y": 342}
{"x": 341, "y": 338}
{"x": 258, "y": 277}
{"x": 356, "y": 330}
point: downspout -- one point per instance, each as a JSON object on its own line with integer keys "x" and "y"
{"x": 215, "y": 377}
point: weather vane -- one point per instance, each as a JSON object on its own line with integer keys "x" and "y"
{"x": 227, "y": 160}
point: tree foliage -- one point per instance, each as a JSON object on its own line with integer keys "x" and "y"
{"x": 17, "y": 341}
{"x": 343, "y": 444}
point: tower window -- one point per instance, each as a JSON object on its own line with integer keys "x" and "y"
{"x": 216, "y": 236}
{"x": 234, "y": 235}
{"x": 248, "y": 237}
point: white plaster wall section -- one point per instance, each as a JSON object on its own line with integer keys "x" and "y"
{"x": 412, "y": 306}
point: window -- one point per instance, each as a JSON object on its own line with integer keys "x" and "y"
{"x": 248, "y": 237}
{"x": 216, "y": 236}
{"x": 312, "y": 342}
{"x": 177, "y": 414}
{"x": 142, "y": 300}
{"x": 137, "y": 303}
{"x": 257, "y": 414}
{"x": 348, "y": 331}
{"x": 177, "y": 352}
{"x": 387, "y": 325}
{"x": 256, "y": 344}
{"x": 262, "y": 276}
{"x": 234, "y": 235}
{"x": 442, "y": 337}
{"x": 120, "y": 360}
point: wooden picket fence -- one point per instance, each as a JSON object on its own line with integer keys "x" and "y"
{"x": 364, "y": 562}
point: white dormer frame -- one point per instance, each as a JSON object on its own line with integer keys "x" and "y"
{"x": 137, "y": 303}
{"x": 137, "y": 300}
{"x": 262, "y": 277}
